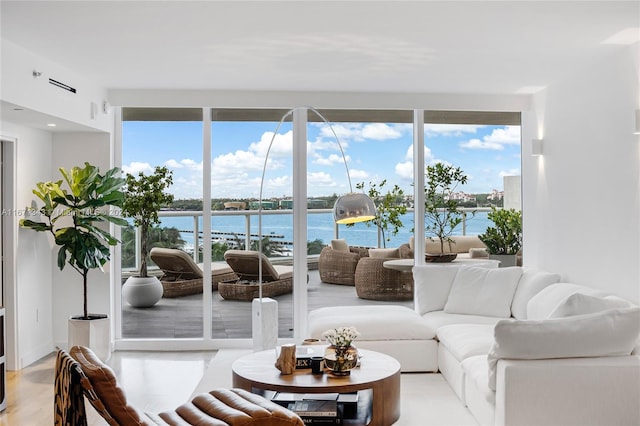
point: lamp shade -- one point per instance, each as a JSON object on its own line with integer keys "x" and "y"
{"x": 353, "y": 207}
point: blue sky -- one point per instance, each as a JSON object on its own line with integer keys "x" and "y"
{"x": 374, "y": 151}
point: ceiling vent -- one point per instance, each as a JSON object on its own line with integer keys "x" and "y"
{"x": 62, "y": 85}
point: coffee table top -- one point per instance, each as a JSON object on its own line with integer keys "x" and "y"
{"x": 259, "y": 369}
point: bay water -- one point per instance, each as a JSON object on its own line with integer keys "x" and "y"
{"x": 320, "y": 226}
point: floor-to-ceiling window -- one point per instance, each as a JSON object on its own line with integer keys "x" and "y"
{"x": 378, "y": 148}
{"x": 170, "y": 137}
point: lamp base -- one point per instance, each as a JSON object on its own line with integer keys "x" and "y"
{"x": 264, "y": 323}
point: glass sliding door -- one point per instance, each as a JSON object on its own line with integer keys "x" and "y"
{"x": 169, "y": 137}
{"x": 240, "y": 142}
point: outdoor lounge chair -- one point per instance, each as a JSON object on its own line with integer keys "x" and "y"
{"x": 182, "y": 276}
{"x": 276, "y": 279}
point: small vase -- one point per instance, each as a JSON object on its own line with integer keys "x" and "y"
{"x": 340, "y": 360}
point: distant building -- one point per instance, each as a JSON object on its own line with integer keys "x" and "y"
{"x": 235, "y": 205}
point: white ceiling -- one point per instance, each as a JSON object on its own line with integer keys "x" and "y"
{"x": 502, "y": 47}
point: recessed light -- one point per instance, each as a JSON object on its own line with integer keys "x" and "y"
{"x": 18, "y": 109}
{"x": 51, "y": 124}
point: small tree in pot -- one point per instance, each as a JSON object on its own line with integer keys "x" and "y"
{"x": 144, "y": 196}
{"x": 72, "y": 216}
{"x": 504, "y": 238}
{"x": 441, "y": 209}
{"x": 389, "y": 209}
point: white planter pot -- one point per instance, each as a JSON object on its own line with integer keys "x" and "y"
{"x": 142, "y": 292}
{"x": 505, "y": 259}
{"x": 92, "y": 333}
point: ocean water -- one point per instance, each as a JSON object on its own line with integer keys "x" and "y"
{"x": 319, "y": 226}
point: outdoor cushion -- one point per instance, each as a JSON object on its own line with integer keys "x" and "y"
{"x": 340, "y": 245}
{"x": 384, "y": 253}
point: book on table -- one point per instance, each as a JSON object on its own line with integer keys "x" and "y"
{"x": 315, "y": 408}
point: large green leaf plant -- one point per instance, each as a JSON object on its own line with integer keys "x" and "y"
{"x": 505, "y": 236}
{"x": 73, "y": 216}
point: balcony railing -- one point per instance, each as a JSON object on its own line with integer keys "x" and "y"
{"x": 250, "y": 232}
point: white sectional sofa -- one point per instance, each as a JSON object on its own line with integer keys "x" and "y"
{"x": 517, "y": 346}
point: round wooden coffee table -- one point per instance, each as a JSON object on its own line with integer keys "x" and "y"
{"x": 377, "y": 373}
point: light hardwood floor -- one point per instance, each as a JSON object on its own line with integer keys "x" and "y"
{"x": 161, "y": 381}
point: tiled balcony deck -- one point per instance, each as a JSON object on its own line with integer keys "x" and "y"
{"x": 182, "y": 317}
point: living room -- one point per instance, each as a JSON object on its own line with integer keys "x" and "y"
{"x": 570, "y": 68}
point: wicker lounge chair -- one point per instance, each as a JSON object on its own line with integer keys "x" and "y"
{"x": 182, "y": 276}
{"x": 375, "y": 282}
{"x": 276, "y": 279}
{"x": 338, "y": 266}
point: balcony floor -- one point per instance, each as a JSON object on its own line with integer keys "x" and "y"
{"x": 182, "y": 317}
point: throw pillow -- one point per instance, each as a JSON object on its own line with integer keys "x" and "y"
{"x": 432, "y": 285}
{"x": 384, "y": 253}
{"x": 608, "y": 333}
{"x": 475, "y": 253}
{"x": 340, "y": 245}
{"x": 581, "y": 304}
{"x": 530, "y": 284}
{"x": 542, "y": 304}
{"x": 483, "y": 291}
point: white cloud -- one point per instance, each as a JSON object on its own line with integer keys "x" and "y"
{"x": 136, "y": 167}
{"x": 173, "y": 164}
{"x": 330, "y": 160}
{"x": 405, "y": 170}
{"x": 380, "y": 131}
{"x": 357, "y": 174}
{"x": 510, "y": 172}
{"x": 282, "y": 145}
{"x": 481, "y": 144}
{"x": 320, "y": 178}
{"x": 507, "y": 135}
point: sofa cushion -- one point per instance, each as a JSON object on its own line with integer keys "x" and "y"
{"x": 482, "y": 291}
{"x": 460, "y": 244}
{"x": 530, "y": 284}
{"x": 374, "y": 322}
{"x": 384, "y": 253}
{"x": 437, "y": 319}
{"x": 607, "y": 333}
{"x": 340, "y": 245}
{"x": 432, "y": 284}
{"x": 581, "y": 304}
{"x": 466, "y": 340}
{"x": 475, "y": 369}
{"x": 547, "y": 300}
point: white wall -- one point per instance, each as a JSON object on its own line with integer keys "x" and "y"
{"x": 69, "y": 150}
{"x": 20, "y": 87}
{"x": 581, "y": 198}
{"x": 33, "y": 253}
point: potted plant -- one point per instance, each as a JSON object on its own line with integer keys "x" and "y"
{"x": 504, "y": 238}
{"x": 144, "y": 196}
{"x": 389, "y": 209}
{"x": 441, "y": 208}
{"x": 72, "y": 216}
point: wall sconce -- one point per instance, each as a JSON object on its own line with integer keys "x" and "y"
{"x": 536, "y": 147}
{"x": 637, "y": 131}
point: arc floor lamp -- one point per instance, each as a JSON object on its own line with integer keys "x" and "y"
{"x": 352, "y": 207}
